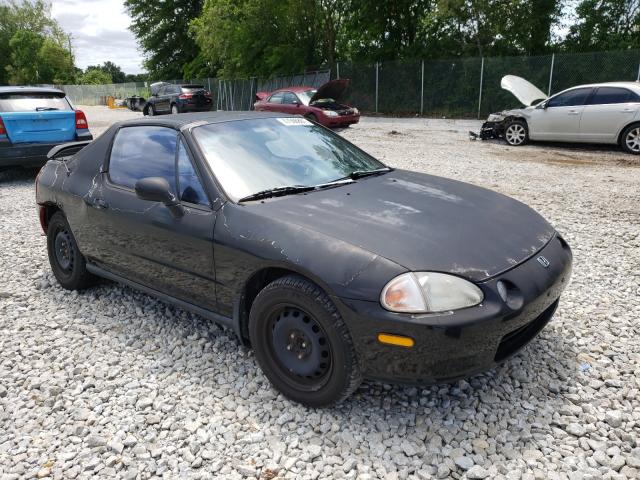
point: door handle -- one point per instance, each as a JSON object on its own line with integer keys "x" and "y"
{"x": 574, "y": 112}
{"x": 628, "y": 110}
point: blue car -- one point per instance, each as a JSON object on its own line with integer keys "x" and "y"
{"x": 32, "y": 121}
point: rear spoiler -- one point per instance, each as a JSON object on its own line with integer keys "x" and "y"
{"x": 66, "y": 149}
{"x": 261, "y": 95}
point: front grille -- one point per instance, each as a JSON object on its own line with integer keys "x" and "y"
{"x": 518, "y": 338}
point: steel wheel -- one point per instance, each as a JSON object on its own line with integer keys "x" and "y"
{"x": 515, "y": 134}
{"x": 300, "y": 347}
{"x": 63, "y": 249}
{"x": 632, "y": 140}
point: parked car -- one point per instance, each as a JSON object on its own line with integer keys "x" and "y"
{"x": 320, "y": 105}
{"x": 32, "y": 121}
{"x": 170, "y": 98}
{"x": 331, "y": 265}
{"x": 596, "y": 113}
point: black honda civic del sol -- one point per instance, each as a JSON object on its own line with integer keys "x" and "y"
{"x": 332, "y": 266}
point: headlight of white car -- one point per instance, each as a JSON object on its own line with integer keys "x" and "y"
{"x": 495, "y": 117}
{"x": 330, "y": 113}
{"x": 428, "y": 292}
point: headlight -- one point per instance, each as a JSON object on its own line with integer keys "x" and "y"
{"x": 330, "y": 113}
{"x": 356, "y": 111}
{"x": 495, "y": 117}
{"x": 426, "y": 292}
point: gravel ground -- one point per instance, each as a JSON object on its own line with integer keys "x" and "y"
{"x": 113, "y": 383}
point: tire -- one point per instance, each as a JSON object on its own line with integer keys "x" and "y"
{"x": 151, "y": 111}
{"x": 302, "y": 344}
{"x": 67, "y": 263}
{"x": 630, "y": 139}
{"x": 516, "y": 133}
{"x": 174, "y": 109}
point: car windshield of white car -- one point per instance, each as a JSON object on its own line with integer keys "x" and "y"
{"x": 251, "y": 156}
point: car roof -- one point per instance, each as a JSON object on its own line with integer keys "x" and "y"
{"x": 635, "y": 85}
{"x": 186, "y": 119}
{"x": 294, "y": 89}
{"x": 26, "y": 89}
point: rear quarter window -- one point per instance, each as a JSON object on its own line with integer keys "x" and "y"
{"x": 612, "y": 95}
{"x": 32, "y": 102}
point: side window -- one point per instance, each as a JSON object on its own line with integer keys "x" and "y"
{"x": 608, "y": 95}
{"x": 276, "y": 97}
{"x": 289, "y": 98}
{"x": 176, "y": 89}
{"x": 189, "y": 184}
{"x": 144, "y": 151}
{"x": 161, "y": 91}
{"x": 571, "y": 98}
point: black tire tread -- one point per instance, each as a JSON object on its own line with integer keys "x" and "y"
{"x": 81, "y": 277}
{"x": 302, "y": 285}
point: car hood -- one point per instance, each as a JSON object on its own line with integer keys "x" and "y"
{"x": 421, "y": 222}
{"x": 524, "y": 91}
{"x": 333, "y": 89}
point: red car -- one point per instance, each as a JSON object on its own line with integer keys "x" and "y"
{"x": 319, "y": 105}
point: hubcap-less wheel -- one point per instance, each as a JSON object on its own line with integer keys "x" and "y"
{"x": 515, "y": 134}
{"x": 64, "y": 250}
{"x": 300, "y": 347}
{"x": 632, "y": 140}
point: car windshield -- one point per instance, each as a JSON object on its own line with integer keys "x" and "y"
{"x": 250, "y": 156}
{"x": 31, "y": 102}
{"x": 305, "y": 97}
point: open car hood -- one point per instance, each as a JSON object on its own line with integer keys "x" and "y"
{"x": 333, "y": 89}
{"x": 524, "y": 91}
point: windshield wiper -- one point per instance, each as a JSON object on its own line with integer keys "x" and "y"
{"x": 366, "y": 173}
{"x": 45, "y": 109}
{"x": 277, "y": 191}
{"x": 280, "y": 191}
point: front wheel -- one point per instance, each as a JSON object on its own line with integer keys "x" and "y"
{"x": 631, "y": 139}
{"x": 150, "y": 111}
{"x": 67, "y": 263}
{"x": 516, "y": 133}
{"x": 302, "y": 344}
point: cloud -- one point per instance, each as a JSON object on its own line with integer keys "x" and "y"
{"x": 99, "y": 32}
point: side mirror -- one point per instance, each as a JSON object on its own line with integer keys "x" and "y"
{"x": 157, "y": 189}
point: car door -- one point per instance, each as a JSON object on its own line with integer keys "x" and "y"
{"x": 558, "y": 118}
{"x": 608, "y": 110}
{"x": 164, "y": 99}
{"x": 290, "y": 103}
{"x": 144, "y": 241}
{"x": 274, "y": 102}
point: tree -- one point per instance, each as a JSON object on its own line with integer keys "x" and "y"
{"x": 24, "y": 47}
{"x": 605, "y": 25}
{"x": 34, "y": 47}
{"x": 95, "y": 76}
{"x": 114, "y": 71}
{"x": 162, "y": 28}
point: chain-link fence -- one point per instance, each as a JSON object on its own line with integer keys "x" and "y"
{"x": 464, "y": 87}
{"x": 470, "y": 87}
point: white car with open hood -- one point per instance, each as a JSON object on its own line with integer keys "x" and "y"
{"x": 596, "y": 113}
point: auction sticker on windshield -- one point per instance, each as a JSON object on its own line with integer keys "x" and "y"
{"x": 293, "y": 122}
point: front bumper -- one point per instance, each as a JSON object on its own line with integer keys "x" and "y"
{"x": 339, "y": 121}
{"x": 461, "y": 343}
{"x": 489, "y": 130}
{"x": 30, "y": 154}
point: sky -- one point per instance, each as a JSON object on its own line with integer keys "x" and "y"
{"x": 99, "y": 32}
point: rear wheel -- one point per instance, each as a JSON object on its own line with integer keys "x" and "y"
{"x": 67, "y": 263}
{"x": 516, "y": 133}
{"x": 174, "y": 109}
{"x": 302, "y": 344}
{"x": 631, "y": 139}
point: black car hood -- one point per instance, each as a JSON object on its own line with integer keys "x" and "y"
{"x": 333, "y": 89}
{"x": 421, "y": 222}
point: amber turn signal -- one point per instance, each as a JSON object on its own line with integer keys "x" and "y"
{"x": 397, "y": 340}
